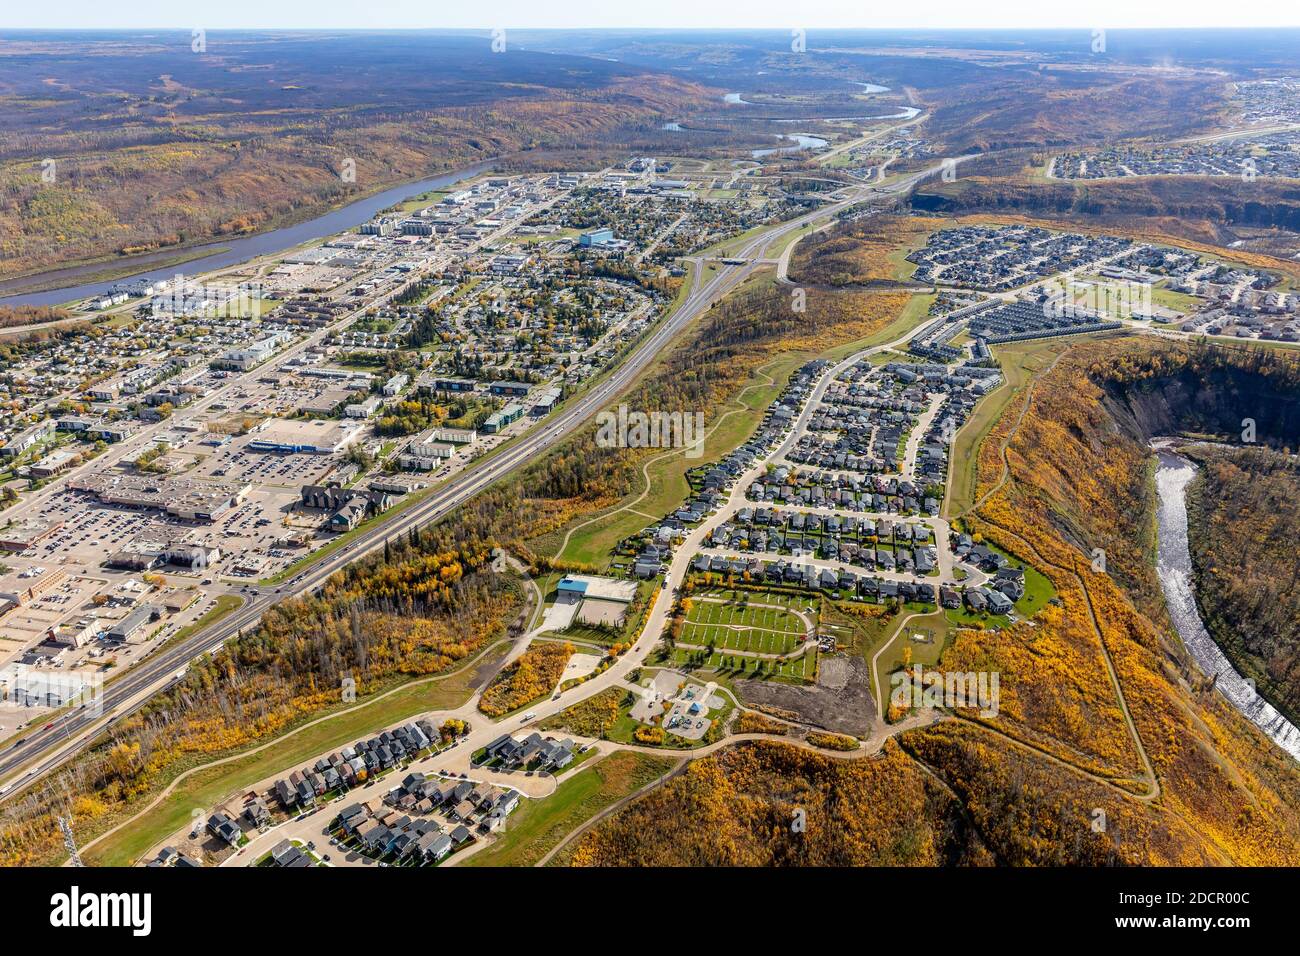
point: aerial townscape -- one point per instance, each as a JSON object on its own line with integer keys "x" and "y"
{"x": 663, "y": 447}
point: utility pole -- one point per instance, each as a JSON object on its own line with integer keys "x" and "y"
{"x": 69, "y": 841}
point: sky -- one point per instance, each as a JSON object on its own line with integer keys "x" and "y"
{"x": 737, "y": 14}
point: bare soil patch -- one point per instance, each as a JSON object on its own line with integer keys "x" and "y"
{"x": 840, "y": 701}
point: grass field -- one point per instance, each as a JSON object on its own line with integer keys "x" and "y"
{"x": 1021, "y": 361}
{"x": 209, "y": 786}
{"x": 1178, "y": 301}
{"x": 934, "y": 635}
{"x": 538, "y": 826}
{"x": 593, "y": 541}
{"x": 725, "y": 666}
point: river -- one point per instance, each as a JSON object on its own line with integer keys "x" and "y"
{"x": 1174, "y": 567}
{"x": 801, "y": 141}
{"x": 230, "y": 252}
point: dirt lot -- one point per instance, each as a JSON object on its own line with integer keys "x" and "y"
{"x": 840, "y": 700}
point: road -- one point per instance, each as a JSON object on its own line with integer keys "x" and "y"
{"x": 315, "y": 824}
{"x": 46, "y": 748}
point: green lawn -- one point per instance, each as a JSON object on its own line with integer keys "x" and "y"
{"x": 1178, "y": 301}
{"x": 902, "y": 647}
{"x": 539, "y": 825}
{"x": 725, "y": 666}
{"x": 210, "y": 786}
{"x": 743, "y": 622}
{"x": 1021, "y": 361}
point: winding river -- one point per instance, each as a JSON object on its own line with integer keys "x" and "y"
{"x": 233, "y": 251}
{"x": 800, "y": 140}
{"x": 1174, "y": 567}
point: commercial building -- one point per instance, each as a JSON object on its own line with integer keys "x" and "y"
{"x": 284, "y": 436}
{"x": 22, "y": 535}
{"x": 53, "y": 464}
{"x": 24, "y": 587}
{"x": 27, "y": 687}
{"x": 547, "y": 401}
{"x": 574, "y": 587}
{"x": 446, "y": 385}
{"x": 112, "y": 432}
{"x": 134, "y": 626}
{"x": 143, "y": 554}
{"x": 75, "y": 424}
{"x": 350, "y": 506}
{"x": 191, "y": 499}
{"x": 512, "y": 389}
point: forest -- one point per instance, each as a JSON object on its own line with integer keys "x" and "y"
{"x": 771, "y": 804}
{"x": 120, "y": 145}
{"x": 857, "y": 252}
{"x": 1243, "y": 514}
{"x": 1199, "y": 207}
{"x": 16, "y": 315}
{"x": 534, "y": 674}
{"x": 429, "y": 603}
{"x": 1096, "y": 690}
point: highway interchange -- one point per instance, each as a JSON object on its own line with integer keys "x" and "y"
{"x": 45, "y": 748}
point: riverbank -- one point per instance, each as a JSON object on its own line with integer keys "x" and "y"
{"x": 87, "y": 279}
{"x": 1174, "y": 568}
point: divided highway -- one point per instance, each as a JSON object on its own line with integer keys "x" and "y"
{"x": 46, "y": 748}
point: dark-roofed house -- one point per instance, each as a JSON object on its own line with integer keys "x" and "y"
{"x": 222, "y": 826}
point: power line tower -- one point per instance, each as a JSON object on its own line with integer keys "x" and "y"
{"x": 69, "y": 841}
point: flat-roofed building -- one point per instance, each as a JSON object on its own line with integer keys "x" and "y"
{"x": 456, "y": 436}
{"x": 134, "y": 626}
{"x": 318, "y": 437}
{"x": 512, "y": 389}
{"x": 423, "y": 453}
{"x": 54, "y": 463}
{"x": 363, "y": 409}
{"x": 599, "y": 588}
{"x": 24, "y": 587}
{"x": 27, "y": 438}
{"x": 192, "y": 499}
{"x": 22, "y": 535}
{"x": 499, "y": 420}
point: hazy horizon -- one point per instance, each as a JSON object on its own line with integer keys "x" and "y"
{"x": 590, "y": 15}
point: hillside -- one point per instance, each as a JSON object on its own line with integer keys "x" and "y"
{"x": 1244, "y": 523}
{"x": 257, "y": 130}
{"x": 1101, "y": 708}
{"x": 1200, "y": 208}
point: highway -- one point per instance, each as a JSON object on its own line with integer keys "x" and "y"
{"x": 45, "y": 748}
